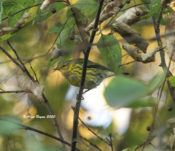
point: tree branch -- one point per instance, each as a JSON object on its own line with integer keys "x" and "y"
{"x": 20, "y": 61}
{"x": 15, "y": 91}
{"x": 99, "y": 137}
{"x": 21, "y": 11}
{"x": 83, "y": 77}
{"x": 46, "y": 134}
{"x": 52, "y": 113}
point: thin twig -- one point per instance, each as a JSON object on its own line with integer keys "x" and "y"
{"x": 54, "y": 119}
{"x": 135, "y": 5}
{"x": 58, "y": 34}
{"x": 99, "y": 137}
{"x": 87, "y": 145}
{"x": 157, "y": 31}
{"x": 92, "y": 144}
{"x": 18, "y": 58}
{"x": 15, "y": 91}
{"x": 36, "y": 57}
{"x": 111, "y": 144}
{"x": 164, "y": 66}
{"x": 11, "y": 58}
{"x": 83, "y": 77}
{"x": 21, "y": 11}
{"x": 127, "y": 63}
{"x": 78, "y": 24}
{"x": 46, "y": 134}
{"x": 20, "y": 61}
{"x": 163, "y": 63}
{"x": 40, "y": 132}
{"x": 36, "y": 78}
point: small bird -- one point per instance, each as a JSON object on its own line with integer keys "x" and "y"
{"x": 72, "y": 71}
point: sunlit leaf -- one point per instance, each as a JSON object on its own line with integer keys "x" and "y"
{"x": 110, "y": 51}
{"x": 9, "y": 124}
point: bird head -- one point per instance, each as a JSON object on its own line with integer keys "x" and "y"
{"x": 62, "y": 66}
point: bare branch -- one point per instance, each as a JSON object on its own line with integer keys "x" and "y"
{"x": 15, "y": 91}
{"x": 111, "y": 9}
{"x": 21, "y": 11}
{"x": 17, "y": 26}
{"x": 99, "y": 137}
{"x": 20, "y": 61}
{"x": 92, "y": 144}
{"x": 83, "y": 77}
{"x": 111, "y": 144}
{"x": 52, "y": 113}
{"x": 122, "y": 26}
{"x": 133, "y": 52}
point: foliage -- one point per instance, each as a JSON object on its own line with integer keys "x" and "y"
{"x": 33, "y": 96}
{"x": 110, "y": 51}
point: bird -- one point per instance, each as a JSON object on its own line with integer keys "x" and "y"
{"x": 72, "y": 71}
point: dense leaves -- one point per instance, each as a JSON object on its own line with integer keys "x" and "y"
{"x": 61, "y": 25}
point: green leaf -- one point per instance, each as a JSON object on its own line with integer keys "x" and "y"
{"x": 64, "y": 40}
{"x": 41, "y": 15}
{"x": 11, "y": 7}
{"x": 155, "y": 6}
{"x": 155, "y": 82}
{"x": 13, "y": 20}
{"x": 9, "y": 124}
{"x": 87, "y": 8}
{"x": 172, "y": 81}
{"x": 127, "y": 92}
{"x": 122, "y": 91}
{"x": 110, "y": 51}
